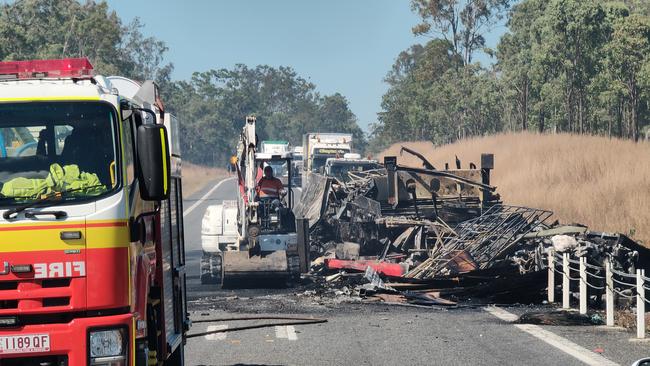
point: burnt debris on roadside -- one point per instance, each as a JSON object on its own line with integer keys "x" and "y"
{"x": 430, "y": 237}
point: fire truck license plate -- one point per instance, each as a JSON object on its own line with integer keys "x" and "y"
{"x": 26, "y": 343}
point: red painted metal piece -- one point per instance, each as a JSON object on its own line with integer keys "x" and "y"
{"x": 103, "y": 264}
{"x": 388, "y": 269}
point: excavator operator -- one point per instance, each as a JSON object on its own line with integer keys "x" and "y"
{"x": 269, "y": 186}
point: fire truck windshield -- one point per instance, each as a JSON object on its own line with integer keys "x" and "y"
{"x": 50, "y": 147}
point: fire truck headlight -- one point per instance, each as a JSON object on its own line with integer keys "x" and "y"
{"x": 107, "y": 343}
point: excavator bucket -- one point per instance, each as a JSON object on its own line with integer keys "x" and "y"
{"x": 239, "y": 265}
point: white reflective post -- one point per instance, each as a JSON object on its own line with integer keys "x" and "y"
{"x": 640, "y": 304}
{"x": 566, "y": 283}
{"x": 609, "y": 293}
{"x": 551, "y": 276}
{"x": 583, "y": 285}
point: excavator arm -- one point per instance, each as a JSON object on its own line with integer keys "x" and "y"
{"x": 247, "y": 174}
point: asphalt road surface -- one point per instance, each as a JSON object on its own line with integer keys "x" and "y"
{"x": 373, "y": 334}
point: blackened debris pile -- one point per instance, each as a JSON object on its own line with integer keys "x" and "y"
{"x": 436, "y": 235}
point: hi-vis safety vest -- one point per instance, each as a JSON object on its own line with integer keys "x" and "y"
{"x": 269, "y": 187}
{"x": 59, "y": 179}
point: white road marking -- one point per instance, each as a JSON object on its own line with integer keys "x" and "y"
{"x": 205, "y": 196}
{"x": 580, "y": 353}
{"x": 216, "y": 336}
{"x": 565, "y": 345}
{"x": 281, "y": 332}
{"x": 506, "y": 316}
{"x": 291, "y": 333}
{"x": 286, "y": 332}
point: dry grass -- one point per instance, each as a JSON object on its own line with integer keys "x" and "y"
{"x": 196, "y": 177}
{"x": 603, "y": 183}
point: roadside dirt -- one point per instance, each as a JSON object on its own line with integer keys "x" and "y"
{"x": 196, "y": 177}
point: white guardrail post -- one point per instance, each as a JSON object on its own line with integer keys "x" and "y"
{"x": 609, "y": 293}
{"x": 583, "y": 285}
{"x": 551, "y": 276}
{"x": 566, "y": 282}
{"x": 640, "y": 304}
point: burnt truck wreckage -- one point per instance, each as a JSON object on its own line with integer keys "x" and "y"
{"x": 425, "y": 236}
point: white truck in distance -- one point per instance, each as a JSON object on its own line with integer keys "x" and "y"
{"x": 275, "y": 147}
{"x": 318, "y": 147}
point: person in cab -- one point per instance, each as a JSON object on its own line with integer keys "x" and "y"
{"x": 269, "y": 186}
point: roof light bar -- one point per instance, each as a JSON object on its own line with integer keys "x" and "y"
{"x": 40, "y": 69}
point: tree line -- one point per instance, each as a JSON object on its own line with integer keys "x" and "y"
{"x": 211, "y": 105}
{"x": 562, "y": 66}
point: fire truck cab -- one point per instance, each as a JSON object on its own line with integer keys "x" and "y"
{"x": 92, "y": 263}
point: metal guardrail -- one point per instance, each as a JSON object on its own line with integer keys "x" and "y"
{"x": 625, "y": 285}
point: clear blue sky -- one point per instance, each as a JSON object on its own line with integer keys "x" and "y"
{"x": 344, "y": 46}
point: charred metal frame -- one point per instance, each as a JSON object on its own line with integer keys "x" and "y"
{"x": 483, "y": 240}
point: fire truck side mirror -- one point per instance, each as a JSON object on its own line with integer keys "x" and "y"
{"x": 153, "y": 162}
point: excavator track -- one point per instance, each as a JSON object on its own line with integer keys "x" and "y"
{"x": 212, "y": 269}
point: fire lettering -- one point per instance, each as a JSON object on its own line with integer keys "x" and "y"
{"x": 56, "y": 270}
{"x": 40, "y": 270}
{"x": 59, "y": 269}
{"x": 79, "y": 267}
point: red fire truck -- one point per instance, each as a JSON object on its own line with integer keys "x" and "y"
{"x": 92, "y": 265}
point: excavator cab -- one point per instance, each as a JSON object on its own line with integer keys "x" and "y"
{"x": 276, "y": 213}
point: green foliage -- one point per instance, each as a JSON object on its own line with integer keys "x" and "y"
{"x": 431, "y": 99}
{"x": 639, "y": 6}
{"x": 213, "y": 106}
{"x": 42, "y": 29}
{"x": 627, "y": 59}
{"x": 460, "y": 22}
{"x": 564, "y": 65}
